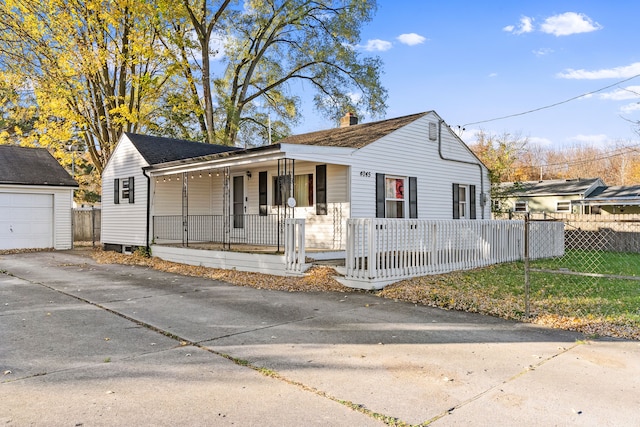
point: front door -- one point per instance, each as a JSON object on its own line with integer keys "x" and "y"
{"x": 238, "y": 202}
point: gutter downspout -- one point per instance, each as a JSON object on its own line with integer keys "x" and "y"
{"x": 482, "y": 201}
{"x": 144, "y": 172}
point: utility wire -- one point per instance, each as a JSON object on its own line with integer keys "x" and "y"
{"x": 552, "y": 105}
{"x": 606, "y": 155}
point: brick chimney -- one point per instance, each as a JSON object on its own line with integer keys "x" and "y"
{"x": 349, "y": 119}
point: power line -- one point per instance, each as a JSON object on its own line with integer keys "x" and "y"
{"x": 606, "y": 155}
{"x": 552, "y": 105}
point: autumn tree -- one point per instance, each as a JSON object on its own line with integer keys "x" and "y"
{"x": 271, "y": 47}
{"x": 94, "y": 68}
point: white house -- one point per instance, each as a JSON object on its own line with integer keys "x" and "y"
{"x": 125, "y": 185}
{"x": 36, "y": 200}
{"x": 407, "y": 167}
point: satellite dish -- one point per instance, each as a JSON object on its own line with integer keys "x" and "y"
{"x": 291, "y": 202}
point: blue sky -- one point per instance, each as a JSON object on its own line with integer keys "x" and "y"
{"x": 475, "y": 61}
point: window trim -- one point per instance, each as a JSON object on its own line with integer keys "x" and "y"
{"x": 123, "y": 189}
{"x": 519, "y": 202}
{"x": 563, "y": 202}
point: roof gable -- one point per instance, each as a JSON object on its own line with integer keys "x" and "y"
{"x": 32, "y": 166}
{"x": 155, "y": 149}
{"x": 616, "y": 192}
{"x": 355, "y": 136}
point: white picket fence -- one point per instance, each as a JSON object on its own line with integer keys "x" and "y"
{"x": 382, "y": 251}
{"x": 294, "y": 250}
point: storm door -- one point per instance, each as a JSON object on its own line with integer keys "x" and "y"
{"x": 238, "y": 202}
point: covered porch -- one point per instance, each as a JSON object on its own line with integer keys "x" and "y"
{"x": 240, "y": 203}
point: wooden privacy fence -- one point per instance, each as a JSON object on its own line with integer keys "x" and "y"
{"x": 388, "y": 250}
{"x": 86, "y": 224}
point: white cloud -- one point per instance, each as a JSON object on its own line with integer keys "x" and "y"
{"x": 543, "y": 51}
{"x": 525, "y": 26}
{"x": 411, "y": 39}
{"x": 569, "y": 23}
{"x": 608, "y": 73}
{"x": 630, "y": 108}
{"x": 621, "y": 94}
{"x": 493, "y": 75}
{"x": 599, "y": 139}
{"x": 542, "y": 142}
{"x": 376, "y": 45}
{"x": 355, "y": 97}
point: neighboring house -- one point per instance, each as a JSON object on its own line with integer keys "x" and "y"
{"x": 613, "y": 200}
{"x": 407, "y": 167}
{"x": 125, "y": 185}
{"x": 36, "y": 200}
{"x": 550, "y": 196}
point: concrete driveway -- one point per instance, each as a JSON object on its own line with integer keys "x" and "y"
{"x": 83, "y": 344}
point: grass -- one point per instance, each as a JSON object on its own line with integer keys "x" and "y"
{"x": 595, "y": 292}
{"x": 602, "y": 262}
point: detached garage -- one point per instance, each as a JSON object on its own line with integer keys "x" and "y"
{"x": 36, "y": 200}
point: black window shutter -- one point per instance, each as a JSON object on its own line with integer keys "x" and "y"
{"x": 380, "y": 198}
{"x": 321, "y": 189}
{"x": 262, "y": 192}
{"x": 116, "y": 191}
{"x": 456, "y": 201}
{"x": 131, "y": 188}
{"x": 413, "y": 197}
{"x": 472, "y": 202}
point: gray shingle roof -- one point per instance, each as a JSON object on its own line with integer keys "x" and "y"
{"x": 356, "y": 136}
{"x": 616, "y": 192}
{"x": 157, "y": 149}
{"x": 549, "y": 187}
{"x": 32, "y": 166}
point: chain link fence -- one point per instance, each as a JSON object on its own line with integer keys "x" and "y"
{"x": 596, "y": 282}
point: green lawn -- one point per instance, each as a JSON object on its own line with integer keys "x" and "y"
{"x": 583, "y": 290}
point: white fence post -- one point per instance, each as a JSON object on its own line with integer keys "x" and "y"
{"x": 294, "y": 250}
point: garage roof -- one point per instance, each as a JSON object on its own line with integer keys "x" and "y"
{"x": 32, "y": 166}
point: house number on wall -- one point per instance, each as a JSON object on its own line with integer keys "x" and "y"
{"x": 365, "y": 174}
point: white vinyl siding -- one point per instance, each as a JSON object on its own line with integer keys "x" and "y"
{"x": 409, "y": 152}
{"x": 124, "y": 223}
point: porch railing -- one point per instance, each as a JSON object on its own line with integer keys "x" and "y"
{"x": 385, "y": 249}
{"x": 258, "y": 230}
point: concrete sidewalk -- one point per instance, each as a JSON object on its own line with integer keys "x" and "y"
{"x": 88, "y": 344}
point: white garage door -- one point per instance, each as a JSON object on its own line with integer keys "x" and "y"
{"x": 26, "y": 221}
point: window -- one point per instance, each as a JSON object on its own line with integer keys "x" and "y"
{"x": 394, "y": 197}
{"x": 123, "y": 190}
{"x": 563, "y": 206}
{"x": 302, "y": 190}
{"x": 521, "y": 207}
{"x": 464, "y": 201}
